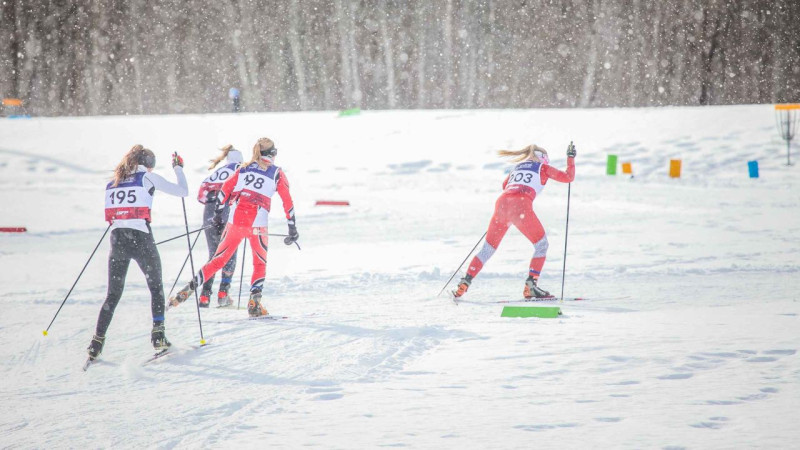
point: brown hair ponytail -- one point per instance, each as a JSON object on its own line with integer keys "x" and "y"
{"x": 135, "y": 156}
{"x": 225, "y": 151}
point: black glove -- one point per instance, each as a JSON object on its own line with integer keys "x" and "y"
{"x": 293, "y": 234}
{"x": 571, "y": 152}
{"x": 177, "y": 160}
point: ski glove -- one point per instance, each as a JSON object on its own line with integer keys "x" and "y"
{"x": 177, "y": 160}
{"x": 293, "y": 234}
{"x": 571, "y": 152}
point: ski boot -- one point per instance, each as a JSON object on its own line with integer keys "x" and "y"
{"x": 222, "y": 296}
{"x": 533, "y": 291}
{"x": 158, "y": 338}
{"x": 183, "y": 294}
{"x": 254, "y": 306}
{"x": 463, "y": 285}
{"x": 205, "y": 299}
{"x": 96, "y": 346}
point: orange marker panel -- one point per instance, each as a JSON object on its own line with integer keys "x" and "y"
{"x": 675, "y": 168}
{"x": 627, "y": 169}
{"x": 12, "y": 102}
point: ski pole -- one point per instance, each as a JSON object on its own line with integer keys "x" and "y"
{"x": 462, "y": 263}
{"x": 185, "y": 260}
{"x": 191, "y": 262}
{"x": 182, "y": 235}
{"x": 241, "y": 278}
{"x": 76, "y": 280}
{"x": 566, "y": 235}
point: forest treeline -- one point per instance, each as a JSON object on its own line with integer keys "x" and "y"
{"x": 82, "y": 57}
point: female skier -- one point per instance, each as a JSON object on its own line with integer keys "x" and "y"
{"x": 249, "y": 191}
{"x": 129, "y": 197}
{"x": 515, "y": 207}
{"x": 215, "y": 215}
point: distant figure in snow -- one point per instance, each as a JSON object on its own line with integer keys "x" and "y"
{"x": 249, "y": 191}
{"x": 233, "y": 93}
{"x": 215, "y": 216}
{"x": 515, "y": 207}
{"x": 129, "y": 197}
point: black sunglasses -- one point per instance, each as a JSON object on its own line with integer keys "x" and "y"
{"x": 270, "y": 152}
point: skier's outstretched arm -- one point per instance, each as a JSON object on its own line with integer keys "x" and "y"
{"x": 286, "y": 197}
{"x": 560, "y": 176}
{"x": 181, "y": 189}
{"x": 563, "y": 177}
{"x": 288, "y": 208}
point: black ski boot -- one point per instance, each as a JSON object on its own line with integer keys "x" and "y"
{"x": 205, "y": 299}
{"x": 463, "y": 285}
{"x": 533, "y": 291}
{"x": 96, "y": 346}
{"x": 222, "y": 296}
{"x": 183, "y": 294}
{"x": 158, "y": 338}
{"x": 254, "y": 306}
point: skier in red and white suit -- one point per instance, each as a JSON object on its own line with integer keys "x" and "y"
{"x": 249, "y": 190}
{"x": 515, "y": 207}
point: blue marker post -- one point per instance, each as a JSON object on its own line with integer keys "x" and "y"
{"x": 752, "y": 167}
{"x": 233, "y": 94}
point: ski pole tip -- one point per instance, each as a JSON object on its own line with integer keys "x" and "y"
{"x": 202, "y": 342}
{"x": 44, "y": 332}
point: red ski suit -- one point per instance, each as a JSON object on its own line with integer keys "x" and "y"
{"x": 248, "y": 220}
{"x": 515, "y": 207}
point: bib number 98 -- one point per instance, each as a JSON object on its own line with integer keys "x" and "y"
{"x": 257, "y": 182}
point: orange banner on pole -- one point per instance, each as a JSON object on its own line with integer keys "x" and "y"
{"x": 675, "y": 168}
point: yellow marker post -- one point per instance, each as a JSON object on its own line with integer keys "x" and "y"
{"x": 675, "y": 168}
{"x": 787, "y": 118}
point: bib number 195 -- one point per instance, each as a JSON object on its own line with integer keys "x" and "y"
{"x": 122, "y": 196}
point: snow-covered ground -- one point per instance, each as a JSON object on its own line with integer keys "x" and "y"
{"x": 689, "y": 338}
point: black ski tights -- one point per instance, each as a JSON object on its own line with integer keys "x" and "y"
{"x": 127, "y": 244}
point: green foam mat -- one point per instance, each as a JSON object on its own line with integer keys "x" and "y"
{"x": 545, "y": 312}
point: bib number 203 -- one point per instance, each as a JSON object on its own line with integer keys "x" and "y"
{"x": 257, "y": 182}
{"x": 122, "y": 196}
{"x": 520, "y": 177}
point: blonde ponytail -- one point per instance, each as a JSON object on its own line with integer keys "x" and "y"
{"x": 130, "y": 161}
{"x": 261, "y": 144}
{"x": 521, "y": 155}
{"x": 218, "y": 159}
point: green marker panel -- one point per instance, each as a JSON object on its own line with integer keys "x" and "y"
{"x": 611, "y": 165}
{"x": 544, "y": 312}
{"x": 350, "y": 112}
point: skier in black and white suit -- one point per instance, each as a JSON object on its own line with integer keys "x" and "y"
{"x": 129, "y": 198}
